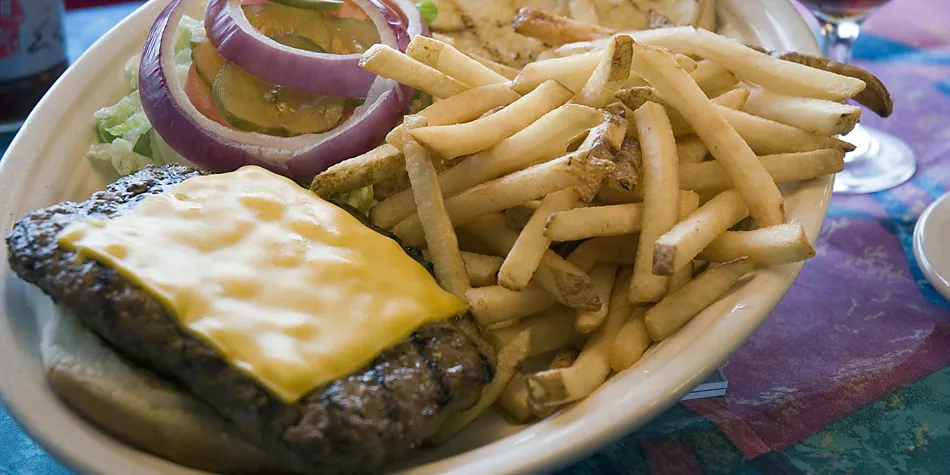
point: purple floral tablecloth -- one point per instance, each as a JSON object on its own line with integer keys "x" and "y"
{"x": 850, "y": 373}
{"x": 861, "y": 321}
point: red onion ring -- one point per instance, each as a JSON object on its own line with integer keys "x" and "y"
{"x": 242, "y": 44}
{"x": 217, "y": 148}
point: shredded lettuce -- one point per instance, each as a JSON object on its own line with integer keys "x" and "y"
{"x": 186, "y": 26}
{"x": 127, "y": 138}
{"x": 132, "y": 71}
{"x": 161, "y": 151}
{"x": 124, "y": 120}
{"x": 362, "y": 199}
{"x": 121, "y": 155}
{"x": 182, "y": 65}
{"x": 110, "y": 121}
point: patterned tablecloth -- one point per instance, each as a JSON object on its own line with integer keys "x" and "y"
{"x": 851, "y": 373}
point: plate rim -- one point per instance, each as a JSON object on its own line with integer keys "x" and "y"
{"x": 939, "y": 281}
{"x": 738, "y": 322}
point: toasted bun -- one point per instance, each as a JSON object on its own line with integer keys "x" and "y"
{"x": 135, "y": 406}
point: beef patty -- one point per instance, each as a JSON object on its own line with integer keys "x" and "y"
{"x": 353, "y": 425}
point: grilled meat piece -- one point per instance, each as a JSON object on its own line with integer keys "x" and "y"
{"x": 356, "y": 424}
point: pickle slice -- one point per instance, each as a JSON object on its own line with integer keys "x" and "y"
{"x": 205, "y": 57}
{"x": 251, "y": 104}
{"x": 351, "y": 35}
{"x": 322, "y": 5}
{"x": 298, "y": 42}
{"x": 272, "y": 20}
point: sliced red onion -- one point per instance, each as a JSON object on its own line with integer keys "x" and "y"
{"x": 320, "y": 73}
{"x": 217, "y": 148}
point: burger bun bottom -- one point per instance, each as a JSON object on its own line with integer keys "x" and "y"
{"x": 135, "y": 405}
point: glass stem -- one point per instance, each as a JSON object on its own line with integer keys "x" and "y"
{"x": 837, "y": 44}
{"x": 838, "y": 38}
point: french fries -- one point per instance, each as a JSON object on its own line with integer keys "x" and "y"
{"x": 709, "y": 177}
{"x": 753, "y": 66}
{"x": 612, "y": 220}
{"x": 689, "y": 64}
{"x": 574, "y": 71}
{"x": 610, "y": 74}
{"x": 691, "y": 149}
{"x": 631, "y": 341}
{"x": 767, "y": 137}
{"x": 564, "y": 281}
{"x": 584, "y": 223}
{"x": 571, "y": 71}
{"x": 564, "y": 358}
{"x": 875, "y": 96}
{"x": 517, "y": 218}
{"x": 550, "y": 330}
{"x": 772, "y": 246}
{"x": 452, "y": 62}
{"x": 606, "y": 142}
{"x": 690, "y": 236}
{"x": 636, "y": 96}
{"x": 392, "y": 64}
{"x": 713, "y": 78}
{"x": 602, "y": 277}
{"x": 586, "y": 255}
{"x": 629, "y": 167}
{"x": 438, "y": 230}
{"x": 547, "y": 138}
{"x": 454, "y": 140}
{"x": 618, "y": 185}
{"x": 514, "y": 400}
{"x": 482, "y": 269}
{"x": 525, "y": 185}
{"x": 495, "y": 304}
{"x": 461, "y": 107}
{"x": 689, "y": 202}
{"x": 510, "y": 358}
{"x": 561, "y": 386}
{"x": 811, "y": 115}
{"x": 557, "y": 30}
{"x": 617, "y": 250}
{"x": 507, "y": 71}
{"x": 526, "y": 254}
{"x": 569, "y": 49}
{"x": 372, "y": 167}
{"x": 661, "y": 190}
{"x": 469, "y": 105}
{"x": 678, "y": 308}
{"x": 386, "y": 161}
{"x": 739, "y": 162}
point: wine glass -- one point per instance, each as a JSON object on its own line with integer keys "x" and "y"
{"x": 881, "y": 160}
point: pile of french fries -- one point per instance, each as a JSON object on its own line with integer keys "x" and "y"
{"x": 575, "y": 207}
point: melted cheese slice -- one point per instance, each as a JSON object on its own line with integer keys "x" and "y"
{"x": 289, "y": 288}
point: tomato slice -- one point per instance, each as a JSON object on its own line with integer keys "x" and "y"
{"x": 199, "y": 93}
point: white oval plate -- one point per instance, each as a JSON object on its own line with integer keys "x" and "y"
{"x": 930, "y": 244}
{"x": 46, "y": 165}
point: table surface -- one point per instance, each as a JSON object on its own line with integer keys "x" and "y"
{"x": 851, "y": 373}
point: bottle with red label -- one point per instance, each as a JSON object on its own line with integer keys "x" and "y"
{"x": 32, "y": 55}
